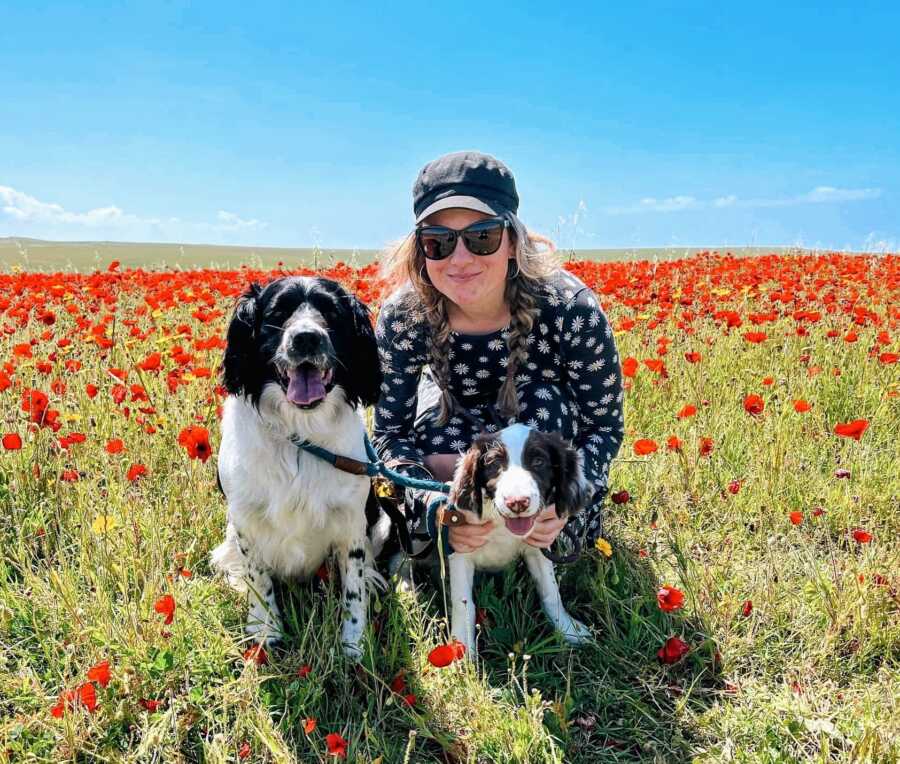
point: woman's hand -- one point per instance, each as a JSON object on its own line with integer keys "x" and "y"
{"x": 469, "y": 537}
{"x": 547, "y": 527}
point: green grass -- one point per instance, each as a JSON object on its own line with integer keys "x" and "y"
{"x": 812, "y": 674}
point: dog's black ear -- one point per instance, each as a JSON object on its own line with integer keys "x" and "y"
{"x": 572, "y": 491}
{"x": 468, "y": 481}
{"x": 364, "y": 381}
{"x": 241, "y": 370}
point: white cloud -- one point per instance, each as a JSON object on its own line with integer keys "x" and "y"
{"x": 652, "y": 204}
{"x": 831, "y": 194}
{"x": 24, "y": 208}
{"x": 819, "y": 195}
{"x": 27, "y": 216}
{"x": 231, "y": 222}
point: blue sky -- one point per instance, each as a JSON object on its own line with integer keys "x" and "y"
{"x": 294, "y": 124}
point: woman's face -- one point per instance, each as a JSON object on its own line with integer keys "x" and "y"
{"x": 475, "y": 282}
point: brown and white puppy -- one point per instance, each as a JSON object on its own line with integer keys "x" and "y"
{"x": 510, "y": 477}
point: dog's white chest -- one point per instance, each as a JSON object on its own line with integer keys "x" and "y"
{"x": 290, "y": 506}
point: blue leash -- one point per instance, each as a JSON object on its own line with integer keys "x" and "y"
{"x": 372, "y": 468}
{"x": 375, "y": 467}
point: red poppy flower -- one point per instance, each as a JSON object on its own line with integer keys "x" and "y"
{"x": 100, "y": 673}
{"x": 136, "y": 471}
{"x": 644, "y": 446}
{"x": 195, "y": 440}
{"x": 887, "y": 358}
{"x": 674, "y": 443}
{"x": 768, "y": 381}
{"x": 853, "y": 429}
{"x": 753, "y": 404}
{"x": 398, "y": 684}
{"x": 304, "y": 670}
{"x": 747, "y": 608}
{"x": 91, "y": 390}
{"x": 84, "y": 694}
{"x": 620, "y": 497}
{"x": 673, "y": 650}
{"x": 861, "y": 536}
{"x": 12, "y": 442}
{"x": 257, "y": 654}
{"x": 706, "y": 446}
{"x": 149, "y": 705}
{"x": 755, "y": 337}
{"x": 115, "y": 446}
{"x": 801, "y": 406}
{"x": 444, "y": 655}
{"x": 244, "y": 751}
{"x": 688, "y": 410}
{"x": 818, "y": 512}
{"x": 409, "y": 699}
{"x": 152, "y": 362}
{"x": 336, "y": 745}
{"x": 629, "y": 367}
{"x": 734, "y": 487}
{"x": 165, "y": 605}
{"x": 669, "y": 598}
{"x": 309, "y": 725}
{"x": 796, "y": 518}
{"x": 692, "y": 357}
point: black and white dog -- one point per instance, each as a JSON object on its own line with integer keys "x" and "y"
{"x": 510, "y": 477}
{"x": 300, "y": 358}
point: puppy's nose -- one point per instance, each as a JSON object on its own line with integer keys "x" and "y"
{"x": 306, "y": 343}
{"x": 517, "y": 504}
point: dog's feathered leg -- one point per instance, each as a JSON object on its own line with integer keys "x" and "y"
{"x": 353, "y": 578}
{"x": 574, "y": 632}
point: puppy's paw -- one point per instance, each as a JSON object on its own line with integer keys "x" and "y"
{"x": 576, "y": 633}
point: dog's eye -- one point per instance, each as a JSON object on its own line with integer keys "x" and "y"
{"x": 538, "y": 461}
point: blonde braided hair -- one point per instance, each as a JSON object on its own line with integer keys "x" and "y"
{"x": 403, "y": 268}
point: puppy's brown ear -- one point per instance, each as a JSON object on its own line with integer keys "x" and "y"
{"x": 468, "y": 481}
{"x": 572, "y": 491}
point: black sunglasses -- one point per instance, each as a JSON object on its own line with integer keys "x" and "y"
{"x": 483, "y": 237}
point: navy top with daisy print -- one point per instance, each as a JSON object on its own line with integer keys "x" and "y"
{"x": 570, "y": 382}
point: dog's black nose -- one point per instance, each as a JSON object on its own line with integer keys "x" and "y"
{"x": 307, "y": 343}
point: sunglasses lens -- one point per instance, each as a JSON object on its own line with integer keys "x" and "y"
{"x": 437, "y": 243}
{"x": 484, "y": 237}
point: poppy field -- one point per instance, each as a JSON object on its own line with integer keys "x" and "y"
{"x": 745, "y": 595}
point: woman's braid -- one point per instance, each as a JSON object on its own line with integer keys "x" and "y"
{"x": 521, "y": 298}
{"x": 439, "y": 351}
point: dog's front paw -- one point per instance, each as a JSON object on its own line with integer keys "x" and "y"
{"x": 575, "y": 632}
{"x": 352, "y": 639}
{"x": 265, "y": 633}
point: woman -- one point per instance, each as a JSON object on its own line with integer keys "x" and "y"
{"x": 507, "y": 336}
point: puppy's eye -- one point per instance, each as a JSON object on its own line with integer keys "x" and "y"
{"x": 538, "y": 461}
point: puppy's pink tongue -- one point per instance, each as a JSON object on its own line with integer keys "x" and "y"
{"x": 305, "y": 385}
{"x": 519, "y": 525}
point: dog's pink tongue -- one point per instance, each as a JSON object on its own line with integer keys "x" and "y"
{"x": 519, "y": 525}
{"x": 305, "y": 385}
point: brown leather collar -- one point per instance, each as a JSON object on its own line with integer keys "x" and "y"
{"x": 450, "y": 517}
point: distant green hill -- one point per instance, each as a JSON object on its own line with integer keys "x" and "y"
{"x": 34, "y": 254}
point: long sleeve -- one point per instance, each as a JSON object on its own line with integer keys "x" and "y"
{"x": 403, "y": 352}
{"x": 594, "y": 381}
